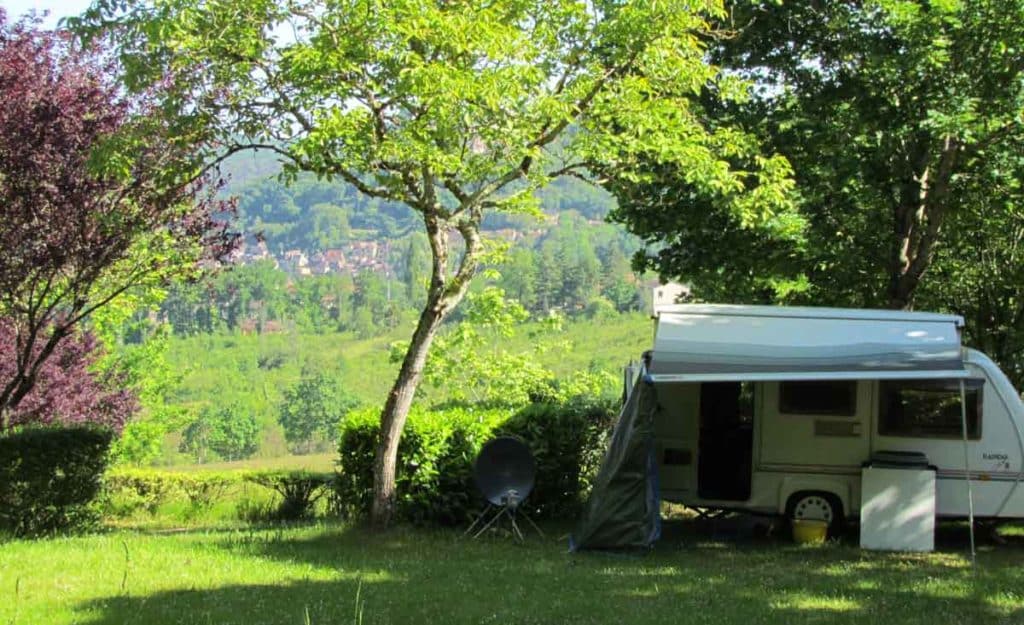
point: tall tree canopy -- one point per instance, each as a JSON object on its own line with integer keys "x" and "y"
{"x": 95, "y": 198}
{"x": 899, "y": 118}
{"x": 456, "y": 109}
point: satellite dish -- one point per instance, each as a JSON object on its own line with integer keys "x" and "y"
{"x": 505, "y": 471}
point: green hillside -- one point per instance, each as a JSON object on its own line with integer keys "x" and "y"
{"x": 251, "y": 372}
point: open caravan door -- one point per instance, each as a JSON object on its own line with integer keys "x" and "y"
{"x": 623, "y": 509}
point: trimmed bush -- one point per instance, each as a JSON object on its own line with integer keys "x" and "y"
{"x": 435, "y": 457}
{"x": 434, "y": 479}
{"x": 131, "y": 490}
{"x": 203, "y": 489}
{"x": 568, "y": 442}
{"x": 50, "y": 478}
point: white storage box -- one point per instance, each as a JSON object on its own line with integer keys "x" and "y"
{"x": 897, "y": 510}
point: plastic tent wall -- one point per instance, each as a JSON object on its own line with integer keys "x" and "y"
{"x": 623, "y": 509}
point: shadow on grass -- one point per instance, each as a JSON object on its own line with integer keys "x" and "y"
{"x": 420, "y": 576}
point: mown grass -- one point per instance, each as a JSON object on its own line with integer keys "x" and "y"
{"x": 313, "y": 574}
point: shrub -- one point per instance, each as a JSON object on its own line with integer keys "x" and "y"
{"x": 568, "y": 441}
{"x": 601, "y": 309}
{"x": 434, "y": 480}
{"x": 50, "y": 478}
{"x": 435, "y": 458}
{"x": 203, "y": 489}
{"x": 129, "y": 490}
{"x": 299, "y": 491}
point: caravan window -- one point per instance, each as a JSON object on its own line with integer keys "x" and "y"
{"x": 821, "y": 397}
{"x": 928, "y": 409}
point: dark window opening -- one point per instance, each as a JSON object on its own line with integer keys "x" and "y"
{"x": 724, "y": 405}
{"x": 928, "y": 408}
{"x": 835, "y": 398}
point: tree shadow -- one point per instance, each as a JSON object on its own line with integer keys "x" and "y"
{"x": 693, "y": 575}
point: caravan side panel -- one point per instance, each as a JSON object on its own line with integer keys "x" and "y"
{"x": 676, "y": 433}
{"x": 994, "y": 451}
{"x": 801, "y": 440}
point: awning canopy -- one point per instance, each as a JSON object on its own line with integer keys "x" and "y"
{"x": 699, "y": 343}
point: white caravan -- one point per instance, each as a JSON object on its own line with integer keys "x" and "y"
{"x": 777, "y": 409}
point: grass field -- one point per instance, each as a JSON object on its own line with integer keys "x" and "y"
{"x": 328, "y": 574}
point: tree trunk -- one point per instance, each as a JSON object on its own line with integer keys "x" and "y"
{"x": 901, "y": 290}
{"x": 396, "y": 409}
{"x": 444, "y": 294}
{"x": 918, "y": 222}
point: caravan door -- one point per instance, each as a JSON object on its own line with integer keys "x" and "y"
{"x": 725, "y": 447}
{"x": 675, "y": 435}
{"x": 819, "y": 426}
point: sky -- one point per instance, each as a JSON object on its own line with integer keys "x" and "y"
{"x": 57, "y": 8}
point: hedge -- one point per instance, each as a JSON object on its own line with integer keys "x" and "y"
{"x": 50, "y": 479}
{"x": 434, "y": 478}
{"x": 131, "y": 490}
{"x": 568, "y": 442}
{"x": 435, "y": 455}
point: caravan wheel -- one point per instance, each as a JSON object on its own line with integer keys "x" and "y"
{"x": 818, "y": 507}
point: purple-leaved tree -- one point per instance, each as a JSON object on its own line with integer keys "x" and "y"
{"x": 97, "y": 196}
{"x": 68, "y": 391}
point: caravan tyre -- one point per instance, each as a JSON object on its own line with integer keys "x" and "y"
{"x": 818, "y": 506}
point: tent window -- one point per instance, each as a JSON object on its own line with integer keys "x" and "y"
{"x": 835, "y": 398}
{"x": 928, "y": 409}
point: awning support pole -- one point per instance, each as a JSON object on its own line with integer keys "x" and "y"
{"x": 967, "y": 467}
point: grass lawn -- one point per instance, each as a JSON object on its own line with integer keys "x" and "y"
{"x": 313, "y": 575}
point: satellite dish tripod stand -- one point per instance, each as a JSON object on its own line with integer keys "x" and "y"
{"x": 509, "y": 508}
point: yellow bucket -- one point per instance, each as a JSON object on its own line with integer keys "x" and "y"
{"x": 809, "y": 532}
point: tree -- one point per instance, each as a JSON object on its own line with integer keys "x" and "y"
{"x": 454, "y": 109}
{"x": 134, "y": 355}
{"x": 146, "y": 371}
{"x": 67, "y": 391}
{"x": 519, "y": 276}
{"x": 896, "y": 116}
{"x": 473, "y": 364}
{"x": 330, "y": 225}
{"x": 230, "y": 433}
{"x": 88, "y": 207}
{"x": 312, "y": 410}
{"x": 979, "y": 271}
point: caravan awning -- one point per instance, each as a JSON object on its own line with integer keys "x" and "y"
{"x": 701, "y": 343}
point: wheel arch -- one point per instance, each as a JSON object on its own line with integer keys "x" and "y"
{"x": 822, "y": 484}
